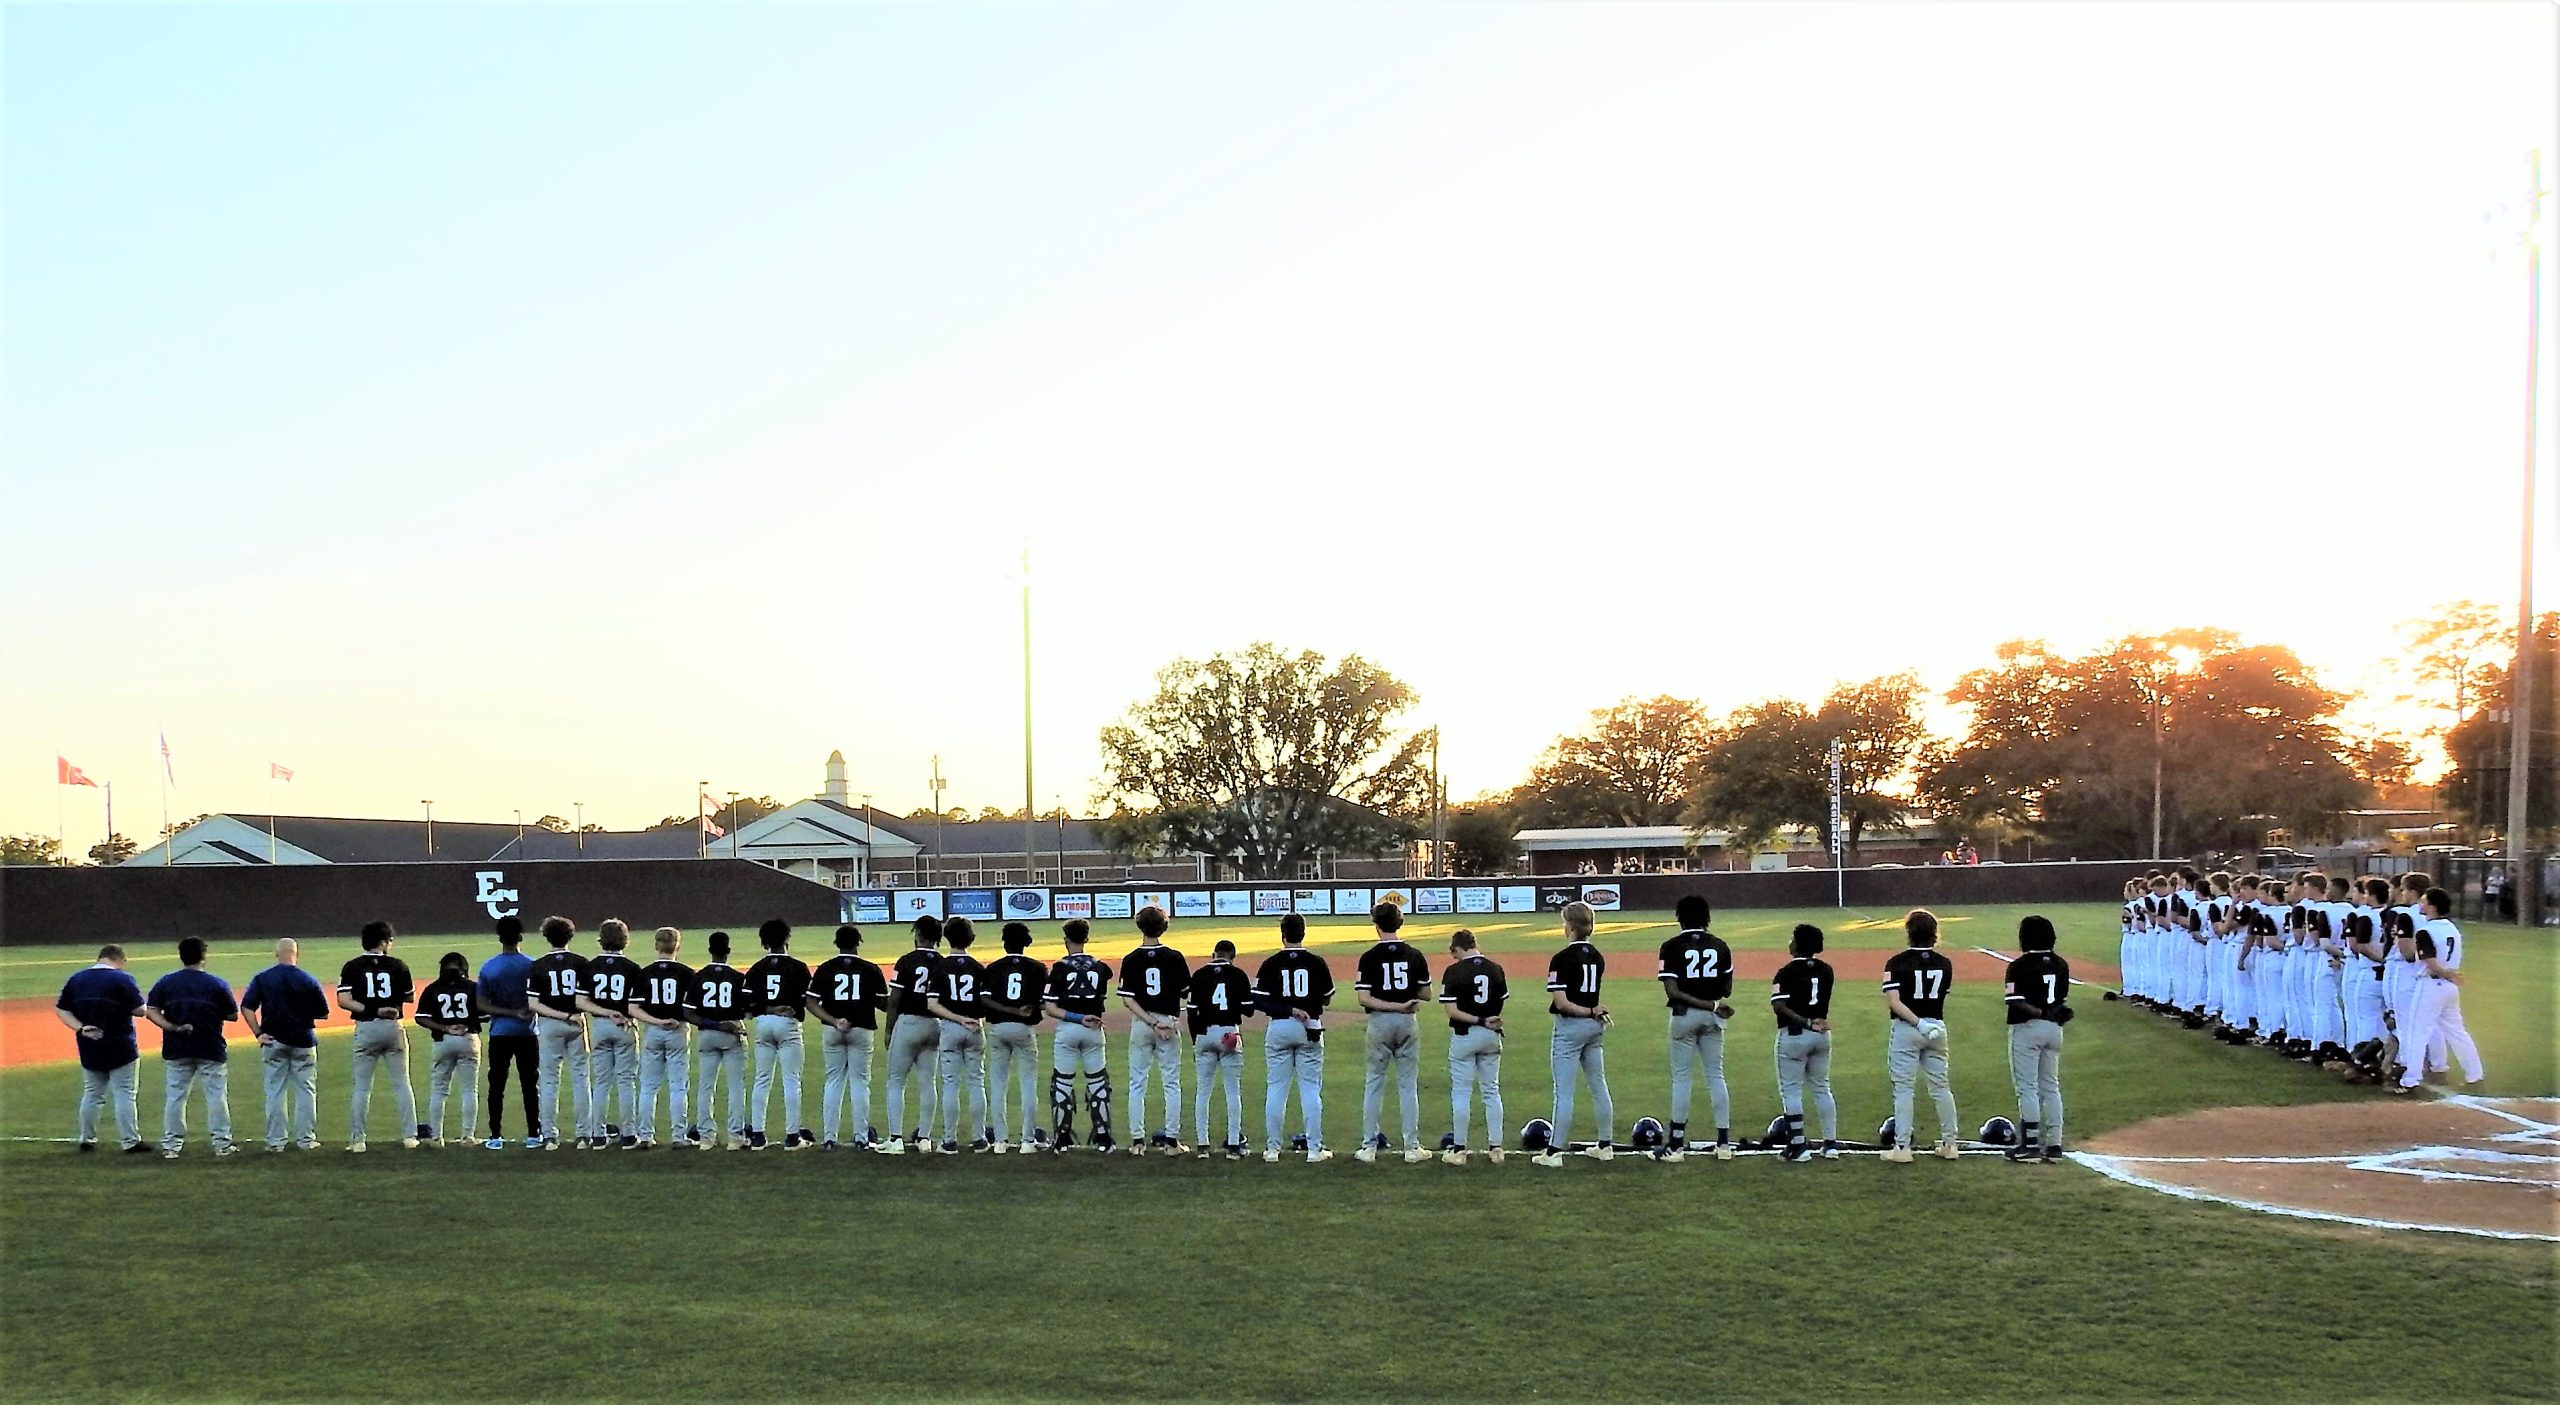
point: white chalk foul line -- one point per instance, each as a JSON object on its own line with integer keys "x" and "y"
{"x": 2114, "y": 1168}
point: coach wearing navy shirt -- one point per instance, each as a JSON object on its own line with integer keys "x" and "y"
{"x": 98, "y": 1005}
{"x": 191, "y": 1005}
{"x": 281, "y": 1005}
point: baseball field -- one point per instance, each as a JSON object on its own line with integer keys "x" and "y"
{"x": 2205, "y": 1241}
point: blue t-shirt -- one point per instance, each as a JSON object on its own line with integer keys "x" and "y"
{"x": 199, "y": 999}
{"x": 108, "y": 998}
{"x": 288, "y": 1002}
{"x": 502, "y": 979}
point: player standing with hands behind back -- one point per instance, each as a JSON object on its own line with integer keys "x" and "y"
{"x": 1474, "y": 989}
{"x": 1153, "y": 981}
{"x": 1392, "y": 982}
{"x": 2038, "y": 993}
{"x": 374, "y": 988}
{"x": 1573, "y": 996}
{"x": 1292, "y": 987}
{"x": 1800, "y": 996}
{"x": 1916, "y": 981}
{"x": 1697, "y": 982}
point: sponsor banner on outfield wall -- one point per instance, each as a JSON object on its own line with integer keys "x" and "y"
{"x": 1110, "y": 905}
{"x": 869, "y": 905}
{"x": 1311, "y": 902}
{"x": 1352, "y": 902}
{"x": 1270, "y": 902}
{"x": 1192, "y": 902}
{"x": 1234, "y": 902}
{"x": 1401, "y": 897}
{"x": 1433, "y": 899}
{"x": 1603, "y": 897}
{"x": 1553, "y": 896}
{"x": 1516, "y": 897}
{"x": 1026, "y": 904}
{"x": 972, "y": 903}
{"x": 1161, "y": 899}
{"x": 1066, "y": 905}
{"x": 918, "y": 902}
{"x": 1475, "y": 900}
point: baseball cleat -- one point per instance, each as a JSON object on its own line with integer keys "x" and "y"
{"x": 1946, "y": 1150}
{"x": 1366, "y": 1156}
{"x": 982, "y": 1145}
{"x": 1235, "y": 1151}
{"x": 1204, "y": 1153}
{"x": 1830, "y": 1152}
{"x": 168, "y": 1153}
{"x": 1322, "y": 1153}
{"x": 1003, "y": 1148}
{"x": 1271, "y": 1155}
{"x": 645, "y": 1144}
{"x": 895, "y": 1146}
{"x": 410, "y": 1143}
{"x": 1102, "y": 1143}
{"x": 951, "y": 1146}
{"x": 1137, "y": 1145}
{"x": 632, "y": 1142}
{"x": 1454, "y": 1156}
{"x": 1798, "y": 1151}
{"x": 1602, "y": 1152}
{"x": 1494, "y": 1154}
{"x": 353, "y": 1148}
{"x": 1172, "y": 1145}
{"x": 1724, "y": 1151}
{"x": 1026, "y": 1148}
{"x": 225, "y": 1149}
{"x": 613, "y": 1131}
{"x": 1897, "y": 1155}
{"x": 2021, "y": 1153}
{"x": 494, "y": 1144}
{"x": 2053, "y": 1156}
{"x": 1415, "y": 1156}
{"x": 1674, "y": 1155}
{"x": 533, "y": 1143}
{"x": 1549, "y": 1157}
{"x": 138, "y": 1148}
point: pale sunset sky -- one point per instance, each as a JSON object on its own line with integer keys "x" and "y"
{"x": 522, "y": 405}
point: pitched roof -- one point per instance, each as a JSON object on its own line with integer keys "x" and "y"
{"x": 340, "y": 840}
{"x": 1000, "y": 837}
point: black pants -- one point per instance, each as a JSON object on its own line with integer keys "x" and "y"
{"x": 520, "y": 1050}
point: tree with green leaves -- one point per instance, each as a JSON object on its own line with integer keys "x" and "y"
{"x": 1768, "y": 766}
{"x": 2068, "y": 746}
{"x": 30, "y": 849}
{"x": 1636, "y": 764}
{"x": 114, "y": 850}
{"x": 1480, "y": 839}
{"x": 2482, "y": 745}
{"x": 1266, "y": 759}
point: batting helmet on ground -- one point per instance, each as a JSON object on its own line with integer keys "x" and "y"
{"x": 1649, "y": 1135}
{"x": 1538, "y": 1135}
{"x": 1884, "y": 1134}
{"x": 1999, "y": 1131}
{"x": 1448, "y": 1141}
{"x": 1777, "y": 1131}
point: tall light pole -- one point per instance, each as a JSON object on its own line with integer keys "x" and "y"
{"x": 2520, "y": 689}
{"x": 431, "y": 827}
{"x": 733, "y": 824}
{"x": 870, "y": 838}
{"x": 936, "y": 784}
{"x": 520, "y": 849}
{"x": 701, "y": 836}
{"x": 2155, "y": 768}
{"x": 1029, "y": 815}
{"x": 578, "y": 831}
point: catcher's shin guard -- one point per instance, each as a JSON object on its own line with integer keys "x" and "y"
{"x": 1097, "y": 1102}
{"x": 1062, "y": 1104}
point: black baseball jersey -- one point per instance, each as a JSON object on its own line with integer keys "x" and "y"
{"x": 665, "y": 989}
{"x": 913, "y": 973}
{"x": 1221, "y": 996}
{"x": 451, "y": 1000}
{"x": 1698, "y": 965}
{"x": 1019, "y": 981}
{"x": 1392, "y": 970}
{"x": 1078, "y": 984}
{"x": 1921, "y": 976}
{"x": 719, "y": 993}
{"x": 556, "y": 979}
{"x": 1575, "y": 973}
{"x": 777, "y": 985}
{"x": 379, "y": 983}
{"x": 613, "y": 980}
{"x": 850, "y": 988}
{"x": 1155, "y": 977}
{"x": 2038, "y": 978}
{"x": 956, "y": 979}
{"x": 1475, "y": 985}
{"x": 1293, "y": 978}
{"x": 1805, "y": 984}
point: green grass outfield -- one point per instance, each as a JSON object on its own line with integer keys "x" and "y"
{"x": 446, "y": 1275}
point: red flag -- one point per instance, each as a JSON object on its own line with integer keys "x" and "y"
{"x": 64, "y": 773}
{"x": 279, "y": 773}
{"x": 712, "y": 828}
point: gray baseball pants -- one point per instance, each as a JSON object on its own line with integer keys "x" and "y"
{"x": 451, "y": 1057}
{"x": 1804, "y": 1063}
{"x": 1291, "y": 1057}
{"x": 1906, "y": 1057}
{"x": 1574, "y": 1050}
{"x": 1697, "y": 1041}
{"x": 379, "y": 1042}
{"x": 184, "y": 1074}
{"x": 1213, "y": 1062}
{"x": 292, "y": 1078}
{"x": 2035, "y": 1070}
{"x": 1475, "y": 1071}
{"x": 913, "y": 1040}
{"x": 846, "y": 1057}
{"x": 662, "y": 1065}
{"x": 1013, "y": 1077}
{"x": 560, "y": 1048}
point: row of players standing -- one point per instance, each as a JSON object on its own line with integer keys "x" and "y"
{"x": 2362, "y": 976}
{"x": 596, "y": 1029}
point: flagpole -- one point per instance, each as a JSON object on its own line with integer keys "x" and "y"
{"x": 168, "y": 841}
{"x": 61, "y": 836}
{"x": 110, "y": 788}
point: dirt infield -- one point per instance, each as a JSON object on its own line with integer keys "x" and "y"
{"x": 29, "y": 1034}
{"x": 2460, "y": 1165}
